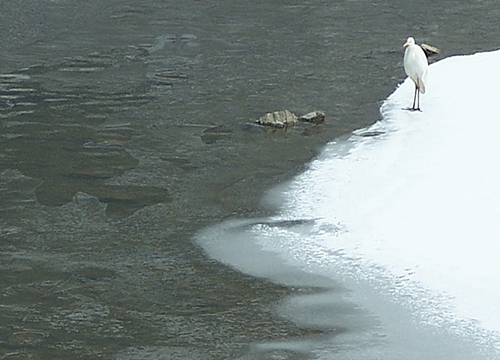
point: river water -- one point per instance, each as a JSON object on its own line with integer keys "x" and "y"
{"x": 127, "y": 127}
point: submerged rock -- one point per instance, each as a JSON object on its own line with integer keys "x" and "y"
{"x": 213, "y": 134}
{"x": 279, "y": 119}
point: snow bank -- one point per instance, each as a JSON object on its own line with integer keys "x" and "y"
{"x": 422, "y": 198}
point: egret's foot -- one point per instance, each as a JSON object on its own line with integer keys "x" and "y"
{"x": 413, "y": 109}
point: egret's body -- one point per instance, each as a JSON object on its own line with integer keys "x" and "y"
{"x": 415, "y": 63}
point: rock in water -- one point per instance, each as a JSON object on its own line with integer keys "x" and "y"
{"x": 315, "y": 117}
{"x": 429, "y": 50}
{"x": 279, "y": 119}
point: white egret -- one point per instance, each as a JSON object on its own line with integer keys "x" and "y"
{"x": 415, "y": 63}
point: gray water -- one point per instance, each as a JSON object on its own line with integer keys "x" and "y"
{"x": 127, "y": 127}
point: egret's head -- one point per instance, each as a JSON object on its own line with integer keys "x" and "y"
{"x": 409, "y": 41}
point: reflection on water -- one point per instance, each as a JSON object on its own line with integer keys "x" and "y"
{"x": 126, "y": 127}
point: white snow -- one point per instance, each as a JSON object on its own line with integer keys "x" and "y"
{"x": 422, "y": 199}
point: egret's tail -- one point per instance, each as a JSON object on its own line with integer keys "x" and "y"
{"x": 421, "y": 86}
{"x": 421, "y": 80}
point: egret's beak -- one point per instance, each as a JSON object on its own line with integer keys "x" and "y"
{"x": 406, "y": 44}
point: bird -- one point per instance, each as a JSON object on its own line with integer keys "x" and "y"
{"x": 415, "y": 64}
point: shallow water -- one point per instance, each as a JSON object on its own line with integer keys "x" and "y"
{"x": 126, "y": 128}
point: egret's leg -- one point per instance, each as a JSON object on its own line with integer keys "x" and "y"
{"x": 418, "y": 100}
{"x": 415, "y": 97}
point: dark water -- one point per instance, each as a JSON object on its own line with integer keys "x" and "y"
{"x": 126, "y": 127}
